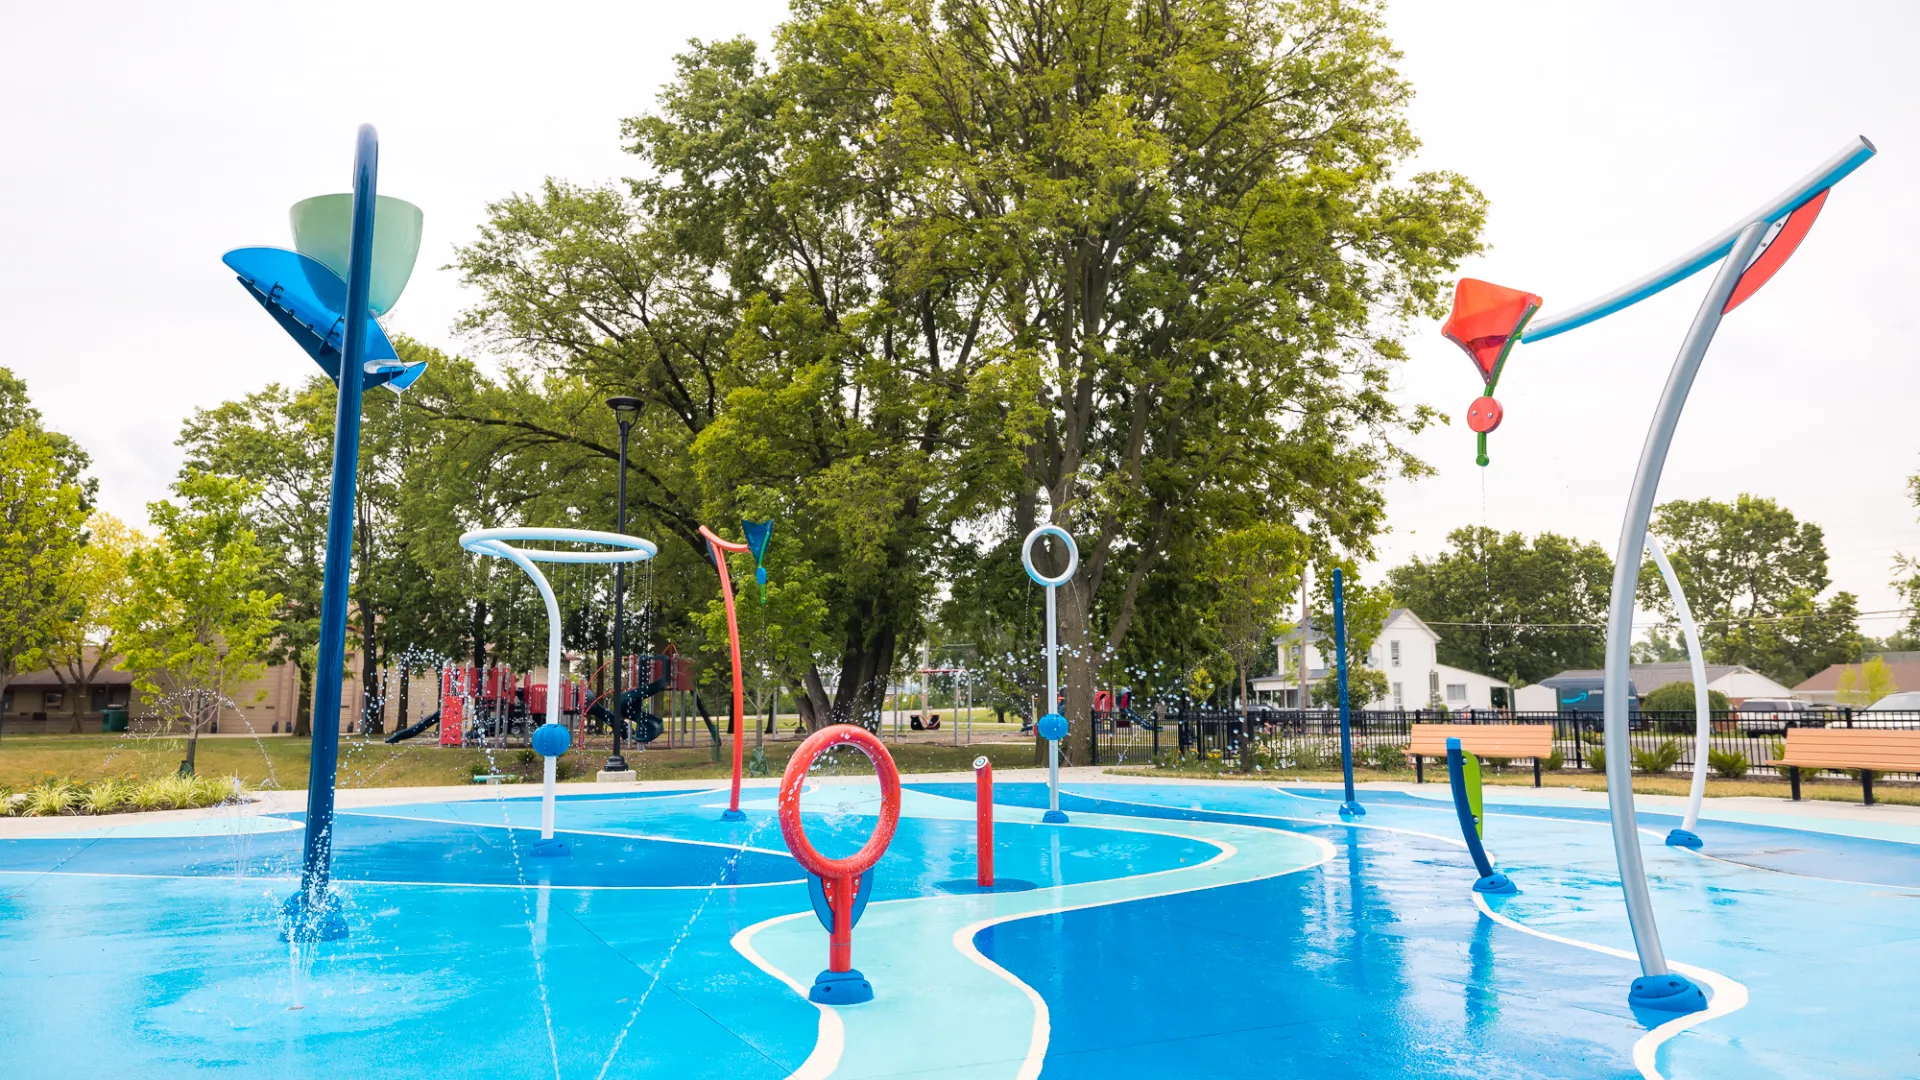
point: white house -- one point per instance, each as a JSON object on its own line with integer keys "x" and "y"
{"x": 1406, "y": 652}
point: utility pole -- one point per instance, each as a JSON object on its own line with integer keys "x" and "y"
{"x": 1304, "y": 628}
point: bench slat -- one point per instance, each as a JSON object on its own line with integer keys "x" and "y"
{"x": 1486, "y": 740}
{"x": 1852, "y": 748}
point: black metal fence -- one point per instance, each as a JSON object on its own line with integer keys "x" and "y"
{"x": 1662, "y": 742}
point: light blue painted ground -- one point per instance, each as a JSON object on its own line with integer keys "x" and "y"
{"x": 1213, "y": 931}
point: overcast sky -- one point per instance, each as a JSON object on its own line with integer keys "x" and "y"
{"x": 143, "y": 140}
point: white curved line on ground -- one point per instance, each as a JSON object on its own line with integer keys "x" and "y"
{"x": 1729, "y": 996}
{"x": 413, "y": 884}
{"x": 576, "y": 832}
{"x": 831, "y": 1041}
{"x": 1797, "y": 874}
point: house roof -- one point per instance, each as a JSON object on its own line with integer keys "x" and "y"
{"x": 1903, "y": 666}
{"x": 1395, "y": 613}
{"x": 108, "y": 675}
{"x": 1650, "y": 677}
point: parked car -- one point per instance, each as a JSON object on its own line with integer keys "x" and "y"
{"x": 1904, "y": 702}
{"x": 1772, "y": 715}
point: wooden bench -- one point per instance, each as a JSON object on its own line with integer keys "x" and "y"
{"x": 1485, "y": 740}
{"x": 1869, "y": 750}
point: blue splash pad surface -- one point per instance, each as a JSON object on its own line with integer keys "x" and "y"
{"x": 1212, "y": 931}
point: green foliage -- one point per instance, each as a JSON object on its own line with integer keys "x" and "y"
{"x": 195, "y": 624}
{"x": 1531, "y": 608}
{"x": 1596, "y": 758}
{"x": 1761, "y": 572}
{"x": 1658, "y": 759}
{"x": 1554, "y": 761}
{"x": 42, "y": 510}
{"x": 1252, "y": 573}
{"x": 1730, "y": 764}
{"x": 1364, "y": 687}
{"x": 1386, "y": 757}
{"x": 756, "y": 764}
{"x": 1864, "y": 684}
{"x": 50, "y": 799}
{"x": 1678, "y": 697}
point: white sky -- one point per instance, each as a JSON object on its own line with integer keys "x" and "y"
{"x": 142, "y": 140}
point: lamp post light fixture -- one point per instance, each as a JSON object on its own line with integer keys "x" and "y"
{"x": 625, "y": 411}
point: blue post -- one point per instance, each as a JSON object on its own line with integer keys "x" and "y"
{"x": 313, "y": 914}
{"x": 1491, "y": 880}
{"x": 1350, "y": 808}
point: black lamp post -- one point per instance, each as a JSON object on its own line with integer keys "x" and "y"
{"x": 625, "y": 410}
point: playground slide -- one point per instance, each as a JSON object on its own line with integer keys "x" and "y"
{"x": 411, "y": 730}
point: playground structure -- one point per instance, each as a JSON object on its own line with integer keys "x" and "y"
{"x": 839, "y": 887}
{"x": 1488, "y": 320}
{"x": 552, "y": 738}
{"x": 353, "y": 255}
{"x": 1052, "y": 726}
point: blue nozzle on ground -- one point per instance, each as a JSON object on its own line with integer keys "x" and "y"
{"x": 1352, "y": 809}
{"x": 840, "y": 988}
{"x": 1054, "y": 817}
{"x": 733, "y": 815}
{"x": 555, "y": 848}
{"x": 1666, "y": 993}
{"x": 1683, "y": 838}
{"x": 1496, "y": 883}
{"x": 306, "y": 923}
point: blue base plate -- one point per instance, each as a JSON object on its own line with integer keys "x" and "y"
{"x": 1683, "y": 838}
{"x": 1352, "y": 809}
{"x": 1496, "y": 883}
{"x": 322, "y": 922}
{"x": 733, "y": 815}
{"x": 840, "y": 988}
{"x": 1666, "y": 993}
{"x": 1054, "y": 817}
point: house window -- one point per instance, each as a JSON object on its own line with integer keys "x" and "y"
{"x": 1399, "y": 696}
{"x": 55, "y": 699}
{"x": 1456, "y": 691}
{"x": 1393, "y": 647}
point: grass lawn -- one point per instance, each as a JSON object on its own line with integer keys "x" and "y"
{"x": 1835, "y": 789}
{"x": 281, "y": 760}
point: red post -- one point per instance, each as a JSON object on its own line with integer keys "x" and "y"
{"x": 983, "y": 819}
{"x": 719, "y": 549}
{"x": 840, "y": 942}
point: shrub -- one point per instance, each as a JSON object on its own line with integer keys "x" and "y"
{"x": 1597, "y": 759}
{"x": 1385, "y": 757}
{"x": 7, "y": 798}
{"x": 151, "y": 794}
{"x": 1554, "y": 762}
{"x": 1658, "y": 759}
{"x": 50, "y": 799}
{"x": 106, "y": 796}
{"x": 1731, "y": 764}
{"x": 757, "y": 762}
{"x": 1678, "y": 697}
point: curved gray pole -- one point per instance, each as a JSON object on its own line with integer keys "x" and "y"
{"x": 1702, "y": 713}
{"x": 1626, "y": 579}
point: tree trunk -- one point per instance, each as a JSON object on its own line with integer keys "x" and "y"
{"x": 303, "y": 707}
{"x": 1077, "y": 670}
{"x": 373, "y": 711}
{"x": 194, "y": 720}
{"x": 405, "y": 686}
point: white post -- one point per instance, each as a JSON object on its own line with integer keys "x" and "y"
{"x": 1685, "y": 836}
{"x": 1052, "y": 726}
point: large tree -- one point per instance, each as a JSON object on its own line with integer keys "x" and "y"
{"x": 949, "y": 268}
{"x": 1754, "y": 574}
{"x": 42, "y": 513}
{"x": 197, "y": 626}
{"x": 1511, "y": 607}
{"x": 93, "y": 589}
